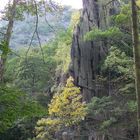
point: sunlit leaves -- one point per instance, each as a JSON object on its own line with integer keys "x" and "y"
{"x": 65, "y": 109}
{"x": 97, "y": 34}
{"x": 67, "y": 105}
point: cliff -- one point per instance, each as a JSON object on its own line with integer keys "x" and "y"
{"x": 87, "y": 55}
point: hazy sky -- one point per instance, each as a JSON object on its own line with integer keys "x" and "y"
{"x": 74, "y": 3}
{"x": 2, "y": 3}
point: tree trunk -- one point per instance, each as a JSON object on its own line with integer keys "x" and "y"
{"x": 6, "y": 40}
{"x": 136, "y": 47}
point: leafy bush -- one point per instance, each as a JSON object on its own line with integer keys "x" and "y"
{"x": 15, "y": 106}
{"x": 97, "y": 34}
{"x": 65, "y": 109}
{"x": 118, "y": 62}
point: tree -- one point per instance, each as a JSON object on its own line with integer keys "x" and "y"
{"x": 34, "y": 76}
{"x": 67, "y": 106}
{"x": 15, "y": 106}
{"x": 16, "y": 11}
{"x": 66, "y": 109}
{"x": 4, "y": 46}
{"x": 136, "y": 47}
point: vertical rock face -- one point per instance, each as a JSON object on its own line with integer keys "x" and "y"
{"x": 86, "y": 59}
{"x": 87, "y": 56}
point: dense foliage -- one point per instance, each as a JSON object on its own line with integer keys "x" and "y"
{"x": 34, "y": 72}
{"x": 118, "y": 71}
{"x": 65, "y": 109}
{"x": 15, "y": 106}
{"x": 38, "y": 100}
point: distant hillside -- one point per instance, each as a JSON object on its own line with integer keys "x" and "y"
{"x": 23, "y": 30}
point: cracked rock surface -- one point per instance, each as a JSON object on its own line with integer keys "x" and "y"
{"x": 87, "y": 55}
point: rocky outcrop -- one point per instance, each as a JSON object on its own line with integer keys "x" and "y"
{"x": 87, "y": 55}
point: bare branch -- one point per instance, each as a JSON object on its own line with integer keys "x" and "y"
{"x": 51, "y": 27}
{"x": 37, "y": 34}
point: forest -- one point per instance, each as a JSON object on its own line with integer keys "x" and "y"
{"x": 68, "y": 73}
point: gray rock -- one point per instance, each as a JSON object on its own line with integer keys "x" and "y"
{"x": 87, "y": 55}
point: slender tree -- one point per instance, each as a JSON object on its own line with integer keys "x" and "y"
{"x": 6, "y": 41}
{"x": 136, "y": 47}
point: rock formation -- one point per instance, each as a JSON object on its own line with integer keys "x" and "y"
{"x": 87, "y": 55}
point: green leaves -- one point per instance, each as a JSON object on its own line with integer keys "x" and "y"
{"x": 97, "y": 34}
{"x": 132, "y": 106}
{"x": 4, "y": 48}
{"x": 124, "y": 17}
{"x": 14, "y": 105}
{"x": 99, "y": 105}
{"x": 109, "y": 111}
{"x": 119, "y": 62}
{"x": 62, "y": 55}
{"x": 32, "y": 74}
{"x": 107, "y": 123}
